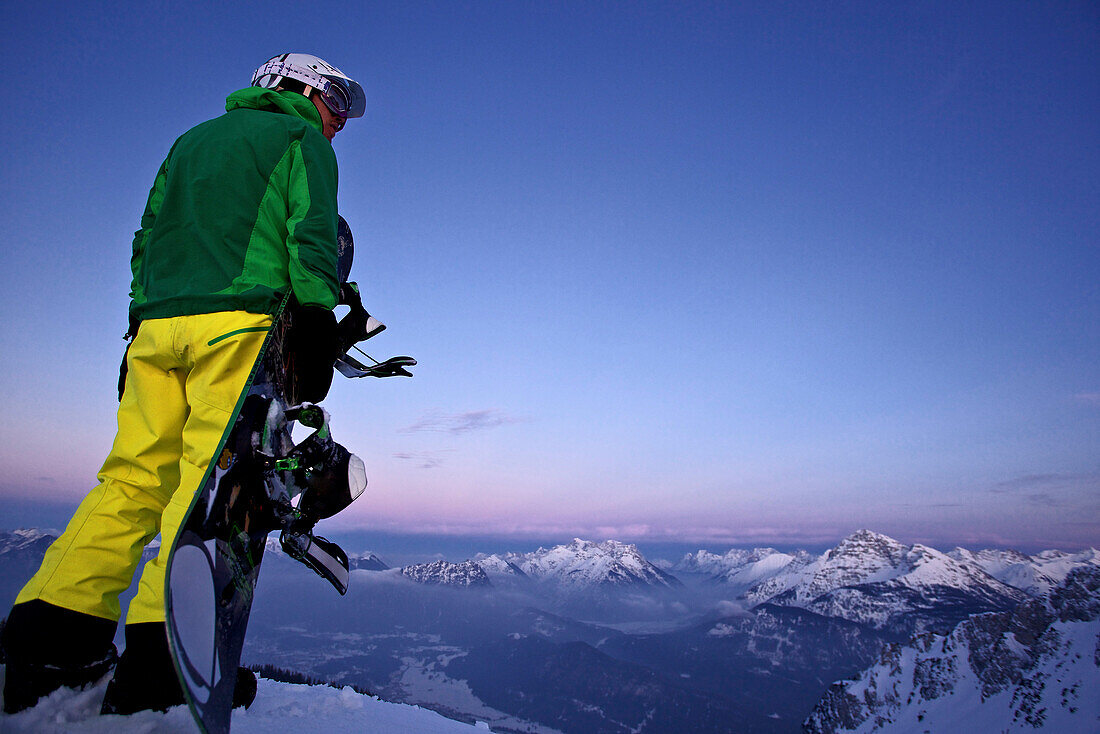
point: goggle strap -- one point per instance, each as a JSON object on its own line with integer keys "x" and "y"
{"x": 301, "y": 73}
{"x": 322, "y": 84}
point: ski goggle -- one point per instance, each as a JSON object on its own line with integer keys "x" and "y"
{"x": 336, "y": 98}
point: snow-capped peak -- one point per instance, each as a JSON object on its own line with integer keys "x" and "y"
{"x": 583, "y": 564}
{"x": 874, "y": 579}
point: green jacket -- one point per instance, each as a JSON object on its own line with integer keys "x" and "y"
{"x": 243, "y": 208}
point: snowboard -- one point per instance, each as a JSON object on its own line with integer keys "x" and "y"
{"x": 258, "y": 481}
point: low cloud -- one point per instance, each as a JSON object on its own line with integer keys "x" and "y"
{"x": 1045, "y": 482}
{"x": 931, "y": 505}
{"x": 727, "y": 608}
{"x": 1042, "y": 499}
{"x": 457, "y": 423}
{"x": 1050, "y": 490}
{"x": 613, "y": 532}
{"x": 422, "y": 459}
{"x": 1088, "y": 398}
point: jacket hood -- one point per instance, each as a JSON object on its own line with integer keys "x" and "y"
{"x": 289, "y": 103}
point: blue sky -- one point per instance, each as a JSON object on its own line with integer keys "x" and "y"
{"x": 725, "y": 273}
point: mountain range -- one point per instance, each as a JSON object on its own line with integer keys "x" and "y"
{"x": 594, "y": 637}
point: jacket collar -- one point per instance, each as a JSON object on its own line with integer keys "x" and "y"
{"x": 289, "y": 103}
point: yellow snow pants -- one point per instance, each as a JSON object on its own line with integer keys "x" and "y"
{"x": 185, "y": 375}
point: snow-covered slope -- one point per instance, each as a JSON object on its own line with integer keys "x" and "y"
{"x": 873, "y": 579}
{"x": 279, "y": 707}
{"x": 712, "y": 564}
{"x": 1037, "y": 574}
{"x": 584, "y": 565}
{"x": 743, "y": 569}
{"x": 497, "y": 567}
{"x": 1035, "y": 668}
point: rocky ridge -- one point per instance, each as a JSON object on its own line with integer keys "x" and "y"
{"x": 1033, "y": 668}
{"x": 443, "y": 573}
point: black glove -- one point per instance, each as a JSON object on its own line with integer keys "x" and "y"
{"x": 314, "y": 343}
{"x": 353, "y": 328}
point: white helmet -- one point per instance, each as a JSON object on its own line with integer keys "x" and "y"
{"x": 340, "y": 93}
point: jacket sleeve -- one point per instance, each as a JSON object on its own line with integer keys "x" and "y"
{"x": 312, "y": 221}
{"x": 148, "y": 219}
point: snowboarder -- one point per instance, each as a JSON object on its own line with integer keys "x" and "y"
{"x": 242, "y": 210}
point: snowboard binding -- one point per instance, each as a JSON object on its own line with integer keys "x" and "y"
{"x": 356, "y": 326}
{"x": 322, "y": 475}
{"x": 327, "y": 478}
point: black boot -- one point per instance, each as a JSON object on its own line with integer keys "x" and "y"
{"x": 46, "y": 647}
{"x": 146, "y": 678}
{"x": 245, "y": 692}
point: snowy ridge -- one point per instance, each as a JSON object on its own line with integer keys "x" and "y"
{"x": 743, "y": 569}
{"x": 279, "y": 707}
{"x": 873, "y": 579}
{"x": 861, "y": 558}
{"x": 497, "y": 566}
{"x": 711, "y": 564}
{"x": 26, "y": 540}
{"x": 760, "y": 568}
{"x": 443, "y": 573}
{"x": 1037, "y": 574}
{"x": 1035, "y": 668}
{"x": 583, "y": 564}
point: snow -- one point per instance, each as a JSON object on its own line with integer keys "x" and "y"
{"x": 279, "y": 707}
{"x": 1036, "y": 574}
{"x": 444, "y": 573}
{"x": 712, "y": 564}
{"x": 743, "y": 569}
{"x": 582, "y": 564}
{"x": 495, "y": 565}
{"x": 769, "y": 564}
{"x": 1068, "y": 702}
{"x": 425, "y": 680}
{"x": 25, "y": 538}
{"x": 871, "y": 579}
{"x": 867, "y": 577}
{"x": 931, "y": 686}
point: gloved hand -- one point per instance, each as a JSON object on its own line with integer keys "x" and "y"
{"x": 314, "y": 342}
{"x": 357, "y": 325}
